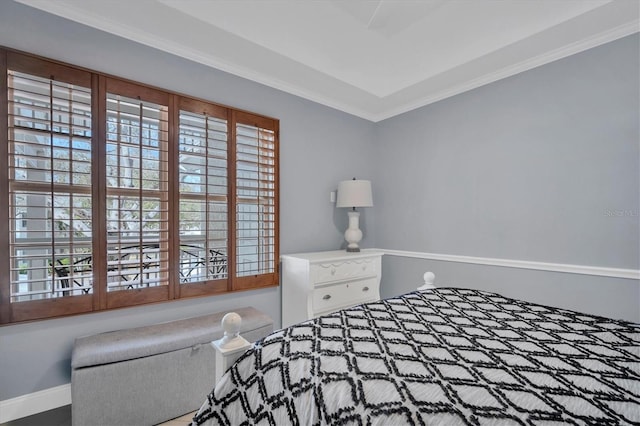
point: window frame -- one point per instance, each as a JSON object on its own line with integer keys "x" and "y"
{"x": 262, "y": 280}
{"x": 100, "y": 299}
{"x": 211, "y": 286}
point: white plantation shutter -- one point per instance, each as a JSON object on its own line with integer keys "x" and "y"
{"x": 50, "y": 188}
{"x": 137, "y": 193}
{"x": 256, "y": 199}
{"x": 203, "y": 192}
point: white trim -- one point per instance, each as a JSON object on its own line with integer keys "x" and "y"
{"x": 33, "y": 403}
{"x": 632, "y": 274}
{"x": 511, "y": 70}
{"x": 366, "y": 111}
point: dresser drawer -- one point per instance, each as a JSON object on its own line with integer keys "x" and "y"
{"x": 344, "y": 270}
{"x": 315, "y": 284}
{"x": 333, "y": 297}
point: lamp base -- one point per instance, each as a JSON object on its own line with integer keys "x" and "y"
{"x": 353, "y": 234}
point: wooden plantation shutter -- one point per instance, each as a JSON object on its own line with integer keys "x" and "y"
{"x": 49, "y": 175}
{"x": 116, "y": 194}
{"x": 203, "y": 198}
{"x": 137, "y": 194}
{"x": 256, "y": 201}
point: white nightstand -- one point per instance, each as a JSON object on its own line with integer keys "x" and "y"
{"x": 315, "y": 284}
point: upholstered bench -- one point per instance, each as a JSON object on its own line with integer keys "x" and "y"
{"x": 148, "y": 375}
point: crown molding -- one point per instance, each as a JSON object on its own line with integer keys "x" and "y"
{"x": 557, "y": 54}
{"x": 373, "y": 111}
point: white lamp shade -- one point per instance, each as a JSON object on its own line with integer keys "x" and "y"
{"x": 354, "y": 193}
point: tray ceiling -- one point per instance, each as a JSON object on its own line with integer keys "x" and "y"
{"x": 371, "y": 58}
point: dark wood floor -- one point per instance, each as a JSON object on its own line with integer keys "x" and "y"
{"x": 57, "y": 417}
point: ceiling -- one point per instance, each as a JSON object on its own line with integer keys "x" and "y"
{"x": 370, "y": 58}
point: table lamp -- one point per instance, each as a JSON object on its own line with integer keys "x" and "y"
{"x": 354, "y": 193}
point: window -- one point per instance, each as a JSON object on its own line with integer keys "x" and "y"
{"x": 203, "y": 185}
{"x": 119, "y": 194}
{"x": 256, "y": 171}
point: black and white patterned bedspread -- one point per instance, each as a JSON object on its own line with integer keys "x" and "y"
{"x": 438, "y": 357}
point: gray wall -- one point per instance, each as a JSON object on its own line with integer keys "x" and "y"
{"x": 318, "y": 147}
{"x": 596, "y": 295}
{"x": 542, "y": 166}
{"x": 525, "y": 168}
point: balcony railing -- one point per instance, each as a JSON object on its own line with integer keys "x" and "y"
{"x": 125, "y": 268}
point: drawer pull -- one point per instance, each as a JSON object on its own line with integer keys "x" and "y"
{"x": 333, "y": 271}
{"x": 365, "y": 288}
{"x": 326, "y": 297}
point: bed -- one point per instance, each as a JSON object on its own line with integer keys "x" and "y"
{"x": 444, "y": 357}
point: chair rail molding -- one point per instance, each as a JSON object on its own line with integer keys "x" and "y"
{"x": 632, "y": 274}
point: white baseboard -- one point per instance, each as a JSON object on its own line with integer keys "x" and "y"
{"x": 33, "y": 403}
{"x": 632, "y": 274}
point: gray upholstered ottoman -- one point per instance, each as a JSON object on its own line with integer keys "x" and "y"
{"x": 152, "y": 374}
